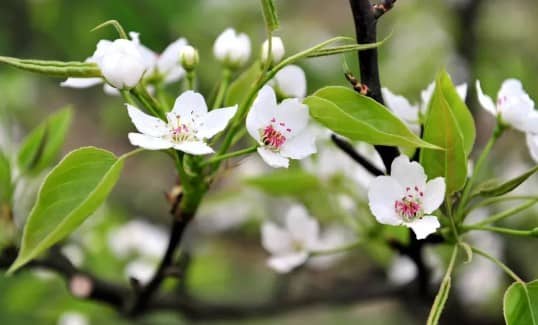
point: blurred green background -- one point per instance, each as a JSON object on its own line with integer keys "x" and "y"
{"x": 229, "y": 265}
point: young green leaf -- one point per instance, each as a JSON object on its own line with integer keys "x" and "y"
{"x": 520, "y": 304}
{"x": 285, "y": 182}
{"x": 6, "y": 186}
{"x": 442, "y": 129}
{"x": 360, "y": 118}
{"x": 55, "y": 68}
{"x": 239, "y": 89}
{"x": 71, "y": 192}
{"x": 461, "y": 112}
{"x": 489, "y": 189}
{"x": 42, "y": 145}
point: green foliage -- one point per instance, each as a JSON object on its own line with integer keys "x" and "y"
{"x": 492, "y": 188}
{"x": 442, "y": 294}
{"x": 239, "y": 89}
{"x": 285, "y": 182}
{"x": 520, "y": 305}
{"x": 269, "y": 15}
{"x": 6, "y": 186}
{"x": 42, "y": 145}
{"x": 360, "y": 118}
{"x": 71, "y": 192}
{"x": 55, "y": 68}
{"x": 442, "y": 129}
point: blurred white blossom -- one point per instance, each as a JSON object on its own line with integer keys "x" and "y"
{"x": 231, "y": 48}
{"x": 277, "y": 50}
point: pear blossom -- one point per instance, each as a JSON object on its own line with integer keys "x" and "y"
{"x": 426, "y": 95}
{"x": 514, "y": 107}
{"x": 277, "y": 50}
{"x": 290, "y": 82}
{"x": 290, "y": 245}
{"x": 532, "y": 144}
{"x": 333, "y": 237}
{"x": 231, "y": 48}
{"x": 189, "y": 57}
{"x": 281, "y": 130}
{"x": 139, "y": 238}
{"x": 405, "y": 198}
{"x": 188, "y": 125}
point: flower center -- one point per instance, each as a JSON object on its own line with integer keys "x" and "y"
{"x": 180, "y": 131}
{"x": 272, "y": 137}
{"x": 409, "y": 207}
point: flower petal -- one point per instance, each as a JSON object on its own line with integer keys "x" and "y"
{"x": 215, "y": 121}
{"x": 276, "y": 240}
{"x": 81, "y": 82}
{"x": 293, "y": 114}
{"x": 194, "y": 147}
{"x": 424, "y": 226}
{"x": 434, "y": 194}
{"x": 302, "y": 228}
{"x": 262, "y": 111}
{"x": 400, "y": 106}
{"x": 486, "y": 101}
{"x": 408, "y": 174}
{"x": 462, "y": 90}
{"x": 145, "y": 123}
{"x": 384, "y": 191}
{"x": 426, "y": 96}
{"x": 273, "y": 159}
{"x": 169, "y": 59}
{"x": 300, "y": 146}
{"x": 286, "y": 263}
{"x": 191, "y": 106}
{"x": 109, "y": 90}
{"x": 291, "y": 81}
{"x": 148, "y": 142}
{"x": 532, "y": 144}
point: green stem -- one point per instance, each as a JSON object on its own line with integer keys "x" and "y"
{"x": 225, "y": 82}
{"x": 191, "y": 80}
{"x": 495, "y": 200}
{"x": 127, "y": 97}
{"x": 337, "y": 250}
{"x": 131, "y": 153}
{"x": 219, "y": 158}
{"x": 500, "y": 230}
{"x": 504, "y": 214}
{"x": 442, "y": 294}
{"x": 485, "y": 152}
{"x": 500, "y": 264}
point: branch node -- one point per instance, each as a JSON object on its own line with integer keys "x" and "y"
{"x": 81, "y": 286}
{"x": 381, "y": 8}
{"x": 357, "y": 85}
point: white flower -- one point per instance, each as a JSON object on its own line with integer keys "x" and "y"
{"x": 405, "y": 198}
{"x": 333, "y": 238}
{"x": 138, "y": 237}
{"x": 189, "y": 124}
{"x": 277, "y": 50}
{"x": 141, "y": 270}
{"x": 72, "y": 318}
{"x": 189, "y": 57}
{"x": 514, "y": 107}
{"x": 532, "y": 144}
{"x": 231, "y": 48}
{"x": 290, "y": 82}
{"x": 426, "y": 95}
{"x": 280, "y": 129}
{"x": 401, "y": 107}
{"x": 402, "y": 270}
{"x": 290, "y": 246}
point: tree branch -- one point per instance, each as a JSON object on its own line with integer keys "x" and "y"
{"x": 346, "y": 147}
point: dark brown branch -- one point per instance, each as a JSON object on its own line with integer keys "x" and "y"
{"x": 381, "y": 8}
{"x": 346, "y": 147}
{"x": 365, "y": 21}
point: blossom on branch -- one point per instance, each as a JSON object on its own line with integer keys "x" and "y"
{"x": 188, "y": 125}
{"x": 277, "y": 50}
{"x": 405, "y": 198}
{"x": 290, "y": 82}
{"x": 232, "y": 49}
{"x": 281, "y": 130}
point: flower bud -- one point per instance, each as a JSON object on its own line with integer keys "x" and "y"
{"x": 277, "y": 50}
{"x": 232, "y": 49}
{"x": 121, "y": 63}
{"x": 189, "y": 58}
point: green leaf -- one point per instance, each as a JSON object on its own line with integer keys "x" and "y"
{"x": 442, "y": 129}
{"x": 55, "y": 68}
{"x": 41, "y": 147}
{"x": 520, "y": 305}
{"x": 360, "y": 118}
{"x": 269, "y": 15}
{"x": 6, "y": 185}
{"x": 461, "y": 112}
{"x": 71, "y": 192}
{"x": 489, "y": 189}
{"x": 239, "y": 89}
{"x": 285, "y": 182}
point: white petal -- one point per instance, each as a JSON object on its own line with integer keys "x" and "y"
{"x": 190, "y": 106}
{"x": 532, "y": 144}
{"x": 462, "y": 91}
{"x": 273, "y": 159}
{"x": 531, "y": 123}
{"x": 81, "y": 82}
{"x": 434, "y": 194}
{"x": 174, "y": 74}
{"x": 145, "y": 123}
{"x": 302, "y": 227}
{"x": 194, "y": 147}
{"x": 300, "y": 146}
{"x": 486, "y": 101}
{"x": 293, "y": 114}
{"x": 169, "y": 59}
{"x": 402, "y": 270}
{"x": 286, "y": 263}
{"x": 291, "y": 81}
{"x": 511, "y": 88}
{"x": 275, "y": 240}
{"x": 149, "y": 142}
{"x": 384, "y": 191}
{"x": 426, "y": 96}
{"x": 425, "y": 226}
{"x": 215, "y": 121}
{"x": 109, "y": 90}
{"x": 262, "y": 111}
{"x": 408, "y": 174}
{"x": 400, "y": 106}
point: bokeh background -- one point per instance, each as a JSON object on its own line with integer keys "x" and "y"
{"x": 492, "y": 41}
